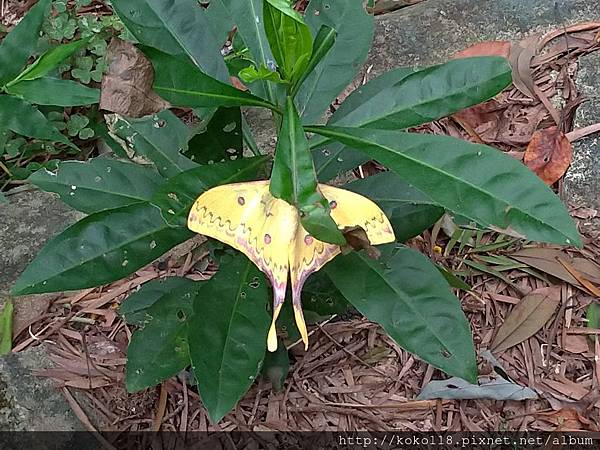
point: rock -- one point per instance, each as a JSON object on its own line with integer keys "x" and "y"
{"x": 27, "y": 222}
{"x": 432, "y": 31}
{"x": 582, "y": 181}
{"x": 28, "y": 402}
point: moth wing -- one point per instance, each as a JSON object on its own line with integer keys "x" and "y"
{"x": 247, "y": 217}
{"x": 349, "y": 209}
{"x": 307, "y": 255}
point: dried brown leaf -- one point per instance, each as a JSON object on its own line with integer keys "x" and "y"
{"x": 127, "y": 85}
{"x": 486, "y": 48}
{"x": 546, "y": 260}
{"x": 549, "y": 154}
{"x": 521, "y": 55}
{"x": 527, "y": 318}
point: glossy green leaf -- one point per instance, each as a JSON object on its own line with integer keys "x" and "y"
{"x": 354, "y": 33}
{"x": 6, "y": 327}
{"x": 25, "y": 119}
{"x": 176, "y": 27}
{"x": 290, "y": 41}
{"x": 99, "y": 249}
{"x": 321, "y": 298}
{"x": 411, "y": 300}
{"x": 248, "y": 17}
{"x": 251, "y": 75}
{"x": 49, "y": 61}
{"x": 285, "y": 6}
{"x": 453, "y": 280}
{"x": 293, "y": 179}
{"x": 473, "y": 180}
{"x": 176, "y": 197}
{"x": 323, "y": 42}
{"x": 54, "y": 91}
{"x": 160, "y": 139}
{"x": 159, "y": 347}
{"x": 221, "y": 140}
{"x": 21, "y": 42}
{"x": 181, "y": 84}
{"x": 409, "y": 210}
{"x": 276, "y": 366}
{"x": 404, "y": 98}
{"x": 228, "y": 335}
{"x": 99, "y": 184}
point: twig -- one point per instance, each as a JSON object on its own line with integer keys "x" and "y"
{"x": 82, "y": 416}
{"x": 580, "y": 133}
{"x": 162, "y": 407}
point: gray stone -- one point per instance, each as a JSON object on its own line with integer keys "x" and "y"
{"x": 432, "y": 31}
{"x": 30, "y": 403}
{"x": 582, "y": 181}
{"x": 27, "y": 222}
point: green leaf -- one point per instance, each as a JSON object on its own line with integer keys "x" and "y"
{"x": 276, "y": 366}
{"x": 290, "y": 41}
{"x": 3, "y": 198}
{"x": 428, "y": 94}
{"x": 6, "y": 327}
{"x": 592, "y": 315}
{"x": 475, "y": 181}
{"x": 321, "y": 298}
{"x": 411, "y": 300}
{"x": 109, "y": 245}
{"x": 452, "y": 279}
{"x": 221, "y": 140}
{"x": 285, "y": 7}
{"x": 99, "y": 184}
{"x": 409, "y": 210}
{"x": 159, "y": 348}
{"x": 294, "y": 180}
{"x": 21, "y": 42}
{"x": 160, "y": 138}
{"x": 134, "y": 309}
{"x": 176, "y": 27}
{"x": 354, "y": 28}
{"x": 49, "y": 61}
{"x": 248, "y": 17}
{"x": 323, "y": 43}
{"x": 54, "y": 91}
{"x": 176, "y": 197}
{"x": 181, "y": 84}
{"x": 23, "y": 118}
{"x": 251, "y": 74}
{"x": 228, "y": 334}
{"x": 404, "y": 98}
{"x": 101, "y": 248}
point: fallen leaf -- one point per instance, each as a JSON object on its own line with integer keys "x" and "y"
{"x": 575, "y": 343}
{"x": 579, "y": 277}
{"x": 486, "y": 48}
{"x": 492, "y": 388}
{"x": 127, "y": 85}
{"x": 235, "y": 81}
{"x": 357, "y": 240}
{"x": 549, "y": 154}
{"x": 527, "y": 318}
{"x": 520, "y": 58}
{"x": 565, "y": 419}
{"x": 546, "y": 259}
